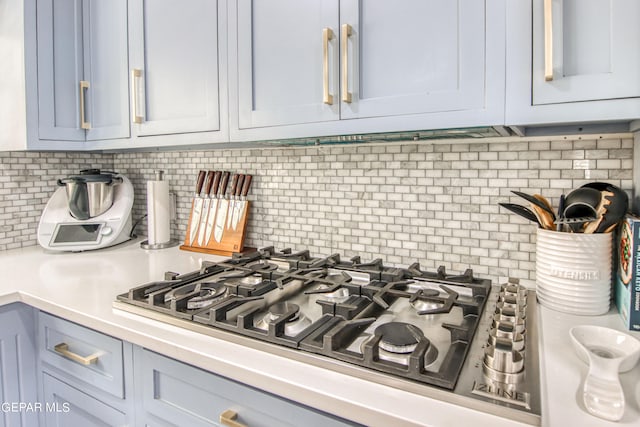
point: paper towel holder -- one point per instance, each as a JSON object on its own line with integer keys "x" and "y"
{"x": 172, "y": 242}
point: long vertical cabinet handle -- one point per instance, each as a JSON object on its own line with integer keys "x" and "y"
{"x": 327, "y": 34}
{"x": 228, "y": 418}
{"x": 345, "y": 33}
{"x": 136, "y": 80}
{"x": 548, "y": 41}
{"x": 84, "y": 124}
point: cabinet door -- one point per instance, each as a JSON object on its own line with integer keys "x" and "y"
{"x": 595, "y": 46}
{"x": 106, "y": 69}
{"x": 287, "y": 54}
{"x": 412, "y": 56}
{"x": 173, "y": 393}
{"x": 175, "y": 55}
{"x": 17, "y": 366}
{"x": 69, "y": 407}
{"x": 82, "y": 40}
{"x": 60, "y": 69}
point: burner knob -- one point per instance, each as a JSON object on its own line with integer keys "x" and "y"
{"x": 516, "y": 339}
{"x": 511, "y": 314}
{"x": 514, "y": 289}
{"x": 512, "y": 300}
{"x": 501, "y": 357}
{"x": 507, "y": 324}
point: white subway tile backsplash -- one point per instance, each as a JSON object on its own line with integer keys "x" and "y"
{"x": 435, "y": 203}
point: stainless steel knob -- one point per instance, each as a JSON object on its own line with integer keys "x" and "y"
{"x": 511, "y": 313}
{"x": 501, "y": 357}
{"x": 508, "y": 324}
{"x": 512, "y": 300}
{"x": 516, "y": 339}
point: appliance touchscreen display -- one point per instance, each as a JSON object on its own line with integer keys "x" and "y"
{"x": 72, "y": 233}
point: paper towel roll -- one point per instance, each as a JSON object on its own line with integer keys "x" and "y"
{"x": 158, "y": 212}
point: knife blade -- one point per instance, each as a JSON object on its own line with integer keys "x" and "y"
{"x": 242, "y": 204}
{"x": 196, "y": 208}
{"x": 223, "y": 205}
{"x": 236, "y": 196}
{"x": 205, "y": 206}
{"x": 213, "y": 208}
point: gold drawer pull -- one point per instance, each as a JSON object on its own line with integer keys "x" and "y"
{"x": 84, "y": 86}
{"x": 548, "y": 40}
{"x": 63, "y": 349}
{"x": 327, "y": 34}
{"x": 136, "y": 84}
{"x": 228, "y": 418}
{"x": 345, "y": 34}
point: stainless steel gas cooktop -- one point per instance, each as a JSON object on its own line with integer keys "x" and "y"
{"x": 453, "y": 337}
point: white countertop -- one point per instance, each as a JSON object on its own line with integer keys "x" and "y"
{"x": 563, "y": 373}
{"x": 81, "y": 287}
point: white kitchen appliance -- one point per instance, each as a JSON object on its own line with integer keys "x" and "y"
{"x": 59, "y": 230}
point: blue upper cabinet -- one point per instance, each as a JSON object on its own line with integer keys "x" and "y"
{"x": 82, "y": 70}
{"x": 572, "y": 61}
{"x": 329, "y": 67}
{"x": 287, "y": 60}
{"x": 174, "y": 61}
{"x": 411, "y": 57}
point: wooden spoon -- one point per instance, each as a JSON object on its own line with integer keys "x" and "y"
{"x": 592, "y": 226}
{"x": 545, "y": 217}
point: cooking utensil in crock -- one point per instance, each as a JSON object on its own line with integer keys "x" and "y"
{"x": 616, "y": 209}
{"x": 607, "y": 352}
{"x": 523, "y": 211}
{"x": 544, "y": 217}
{"x": 605, "y": 201}
{"x": 536, "y": 200}
{"x": 581, "y": 203}
{"x": 91, "y": 193}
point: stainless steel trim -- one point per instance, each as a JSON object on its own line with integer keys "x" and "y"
{"x": 465, "y": 399}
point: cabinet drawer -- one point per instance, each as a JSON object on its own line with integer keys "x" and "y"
{"x": 81, "y": 353}
{"x": 67, "y": 406}
{"x": 181, "y": 394}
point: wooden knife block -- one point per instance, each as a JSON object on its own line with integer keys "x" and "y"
{"x": 232, "y": 240}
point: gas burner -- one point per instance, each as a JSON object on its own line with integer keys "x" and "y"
{"x": 209, "y": 293}
{"x": 203, "y": 294}
{"x": 426, "y": 305}
{"x": 247, "y": 280}
{"x": 398, "y": 340}
{"x": 261, "y": 265}
{"x": 339, "y": 295}
{"x": 398, "y": 337}
{"x": 295, "y": 320}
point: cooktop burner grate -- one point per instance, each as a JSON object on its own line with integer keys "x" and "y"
{"x": 401, "y": 321}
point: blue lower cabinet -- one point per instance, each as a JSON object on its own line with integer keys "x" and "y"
{"x": 18, "y": 391}
{"x": 174, "y": 393}
{"x": 67, "y": 406}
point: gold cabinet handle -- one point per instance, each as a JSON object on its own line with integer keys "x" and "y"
{"x": 327, "y": 34}
{"x": 84, "y": 124}
{"x": 548, "y": 41}
{"x": 136, "y": 77}
{"x": 344, "y": 38}
{"x": 228, "y": 418}
{"x": 63, "y": 349}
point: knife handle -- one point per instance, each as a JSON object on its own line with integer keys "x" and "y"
{"x": 223, "y": 184}
{"x": 216, "y": 182}
{"x": 200, "y": 181}
{"x": 209, "y": 184}
{"x": 239, "y": 186}
{"x": 234, "y": 183}
{"x": 246, "y": 185}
